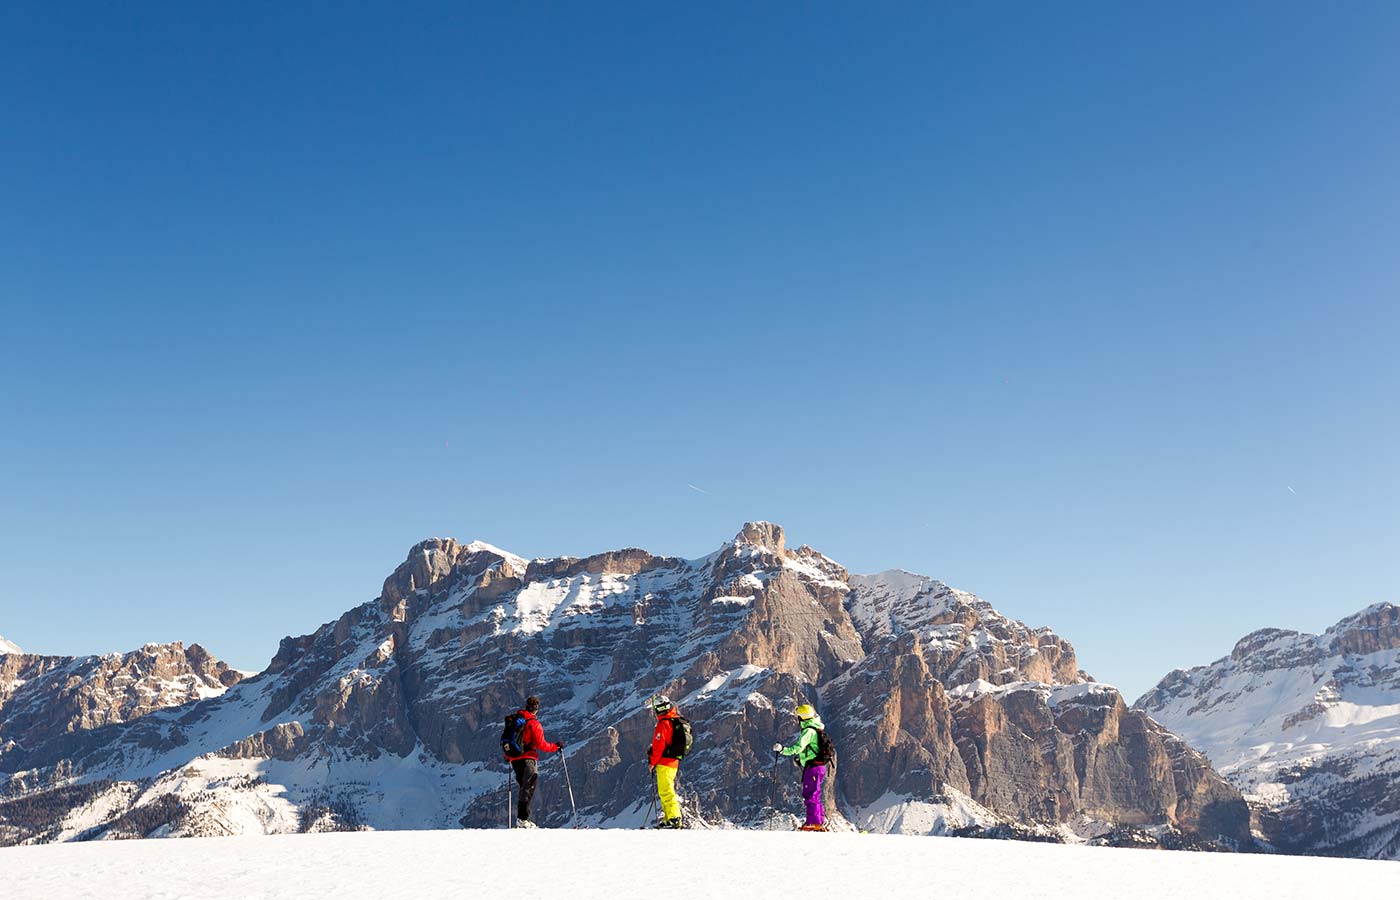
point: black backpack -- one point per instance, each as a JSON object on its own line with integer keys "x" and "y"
{"x": 826, "y": 750}
{"x": 513, "y": 735}
{"x": 681, "y": 738}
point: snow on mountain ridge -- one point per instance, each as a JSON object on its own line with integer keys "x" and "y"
{"x": 8, "y": 647}
{"x": 894, "y": 602}
{"x": 518, "y": 562}
{"x": 1305, "y": 725}
{"x": 890, "y": 602}
{"x": 1053, "y": 694}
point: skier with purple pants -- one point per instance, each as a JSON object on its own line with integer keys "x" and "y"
{"x": 813, "y": 752}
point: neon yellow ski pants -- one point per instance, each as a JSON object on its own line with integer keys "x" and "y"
{"x": 666, "y": 791}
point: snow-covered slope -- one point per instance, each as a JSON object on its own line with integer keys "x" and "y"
{"x": 8, "y": 647}
{"x": 635, "y": 865}
{"x": 970, "y": 638}
{"x": 1308, "y": 726}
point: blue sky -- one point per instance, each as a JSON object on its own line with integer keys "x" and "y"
{"x": 1090, "y": 310}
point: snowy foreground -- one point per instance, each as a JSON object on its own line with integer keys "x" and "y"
{"x": 616, "y": 865}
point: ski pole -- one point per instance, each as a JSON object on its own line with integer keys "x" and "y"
{"x": 653, "y": 799}
{"x": 510, "y": 800}
{"x": 565, "y": 763}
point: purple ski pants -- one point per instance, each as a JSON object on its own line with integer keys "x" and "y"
{"x": 812, "y": 778}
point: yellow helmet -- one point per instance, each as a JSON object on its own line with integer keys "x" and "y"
{"x": 805, "y": 711}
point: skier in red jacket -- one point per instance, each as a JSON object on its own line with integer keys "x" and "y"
{"x": 668, "y": 745}
{"x": 526, "y": 763}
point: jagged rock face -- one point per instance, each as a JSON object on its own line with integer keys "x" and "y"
{"x": 46, "y": 699}
{"x": 963, "y": 638}
{"x": 897, "y": 732}
{"x": 1039, "y": 745}
{"x": 1307, "y": 726}
{"x": 390, "y": 716}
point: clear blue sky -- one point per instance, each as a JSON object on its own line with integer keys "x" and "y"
{"x": 1093, "y": 310}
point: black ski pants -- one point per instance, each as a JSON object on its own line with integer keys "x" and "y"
{"x": 527, "y": 772}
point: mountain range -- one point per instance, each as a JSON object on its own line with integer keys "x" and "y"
{"x": 1307, "y": 726}
{"x": 949, "y": 717}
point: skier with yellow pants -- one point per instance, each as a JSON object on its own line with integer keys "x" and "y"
{"x": 669, "y": 743}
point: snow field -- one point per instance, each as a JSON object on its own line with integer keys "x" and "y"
{"x": 619, "y": 865}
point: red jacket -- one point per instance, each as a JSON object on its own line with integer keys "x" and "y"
{"x": 659, "y": 739}
{"x": 533, "y": 738}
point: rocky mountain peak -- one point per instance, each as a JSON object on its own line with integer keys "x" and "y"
{"x": 437, "y": 560}
{"x": 8, "y": 647}
{"x": 764, "y": 535}
{"x": 1257, "y": 642}
{"x": 1375, "y": 628}
{"x": 427, "y": 562}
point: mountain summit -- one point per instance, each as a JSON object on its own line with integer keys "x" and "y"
{"x": 764, "y": 535}
{"x": 948, "y": 716}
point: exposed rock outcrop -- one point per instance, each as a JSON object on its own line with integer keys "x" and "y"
{"x": 45, "y": 700}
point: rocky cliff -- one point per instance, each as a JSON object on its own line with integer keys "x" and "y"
{"x": 948, "y": 716}
{"x": 1307, "y": 726}
{"x": 45, "y": 700}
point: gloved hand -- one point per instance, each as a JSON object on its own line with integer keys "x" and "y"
{"x": 653, "y": 770}
{"x": 778, "y": 748}
{"x": 561, "y": 746}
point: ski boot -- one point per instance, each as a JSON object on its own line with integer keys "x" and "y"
{"x": 669, "y": 823}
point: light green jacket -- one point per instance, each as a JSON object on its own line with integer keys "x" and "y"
{"x": 805, "y": 747}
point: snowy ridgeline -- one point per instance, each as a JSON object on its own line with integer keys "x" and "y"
{"x": 618, "y": 865}
{"x": 1307, "y": 726}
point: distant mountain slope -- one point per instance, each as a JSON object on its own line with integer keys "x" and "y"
{"x": 48, "y": 702}
{"x": 948, "y": 716}
{"x": 7, "y": 647}
{"x": 1307, "y": 726}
